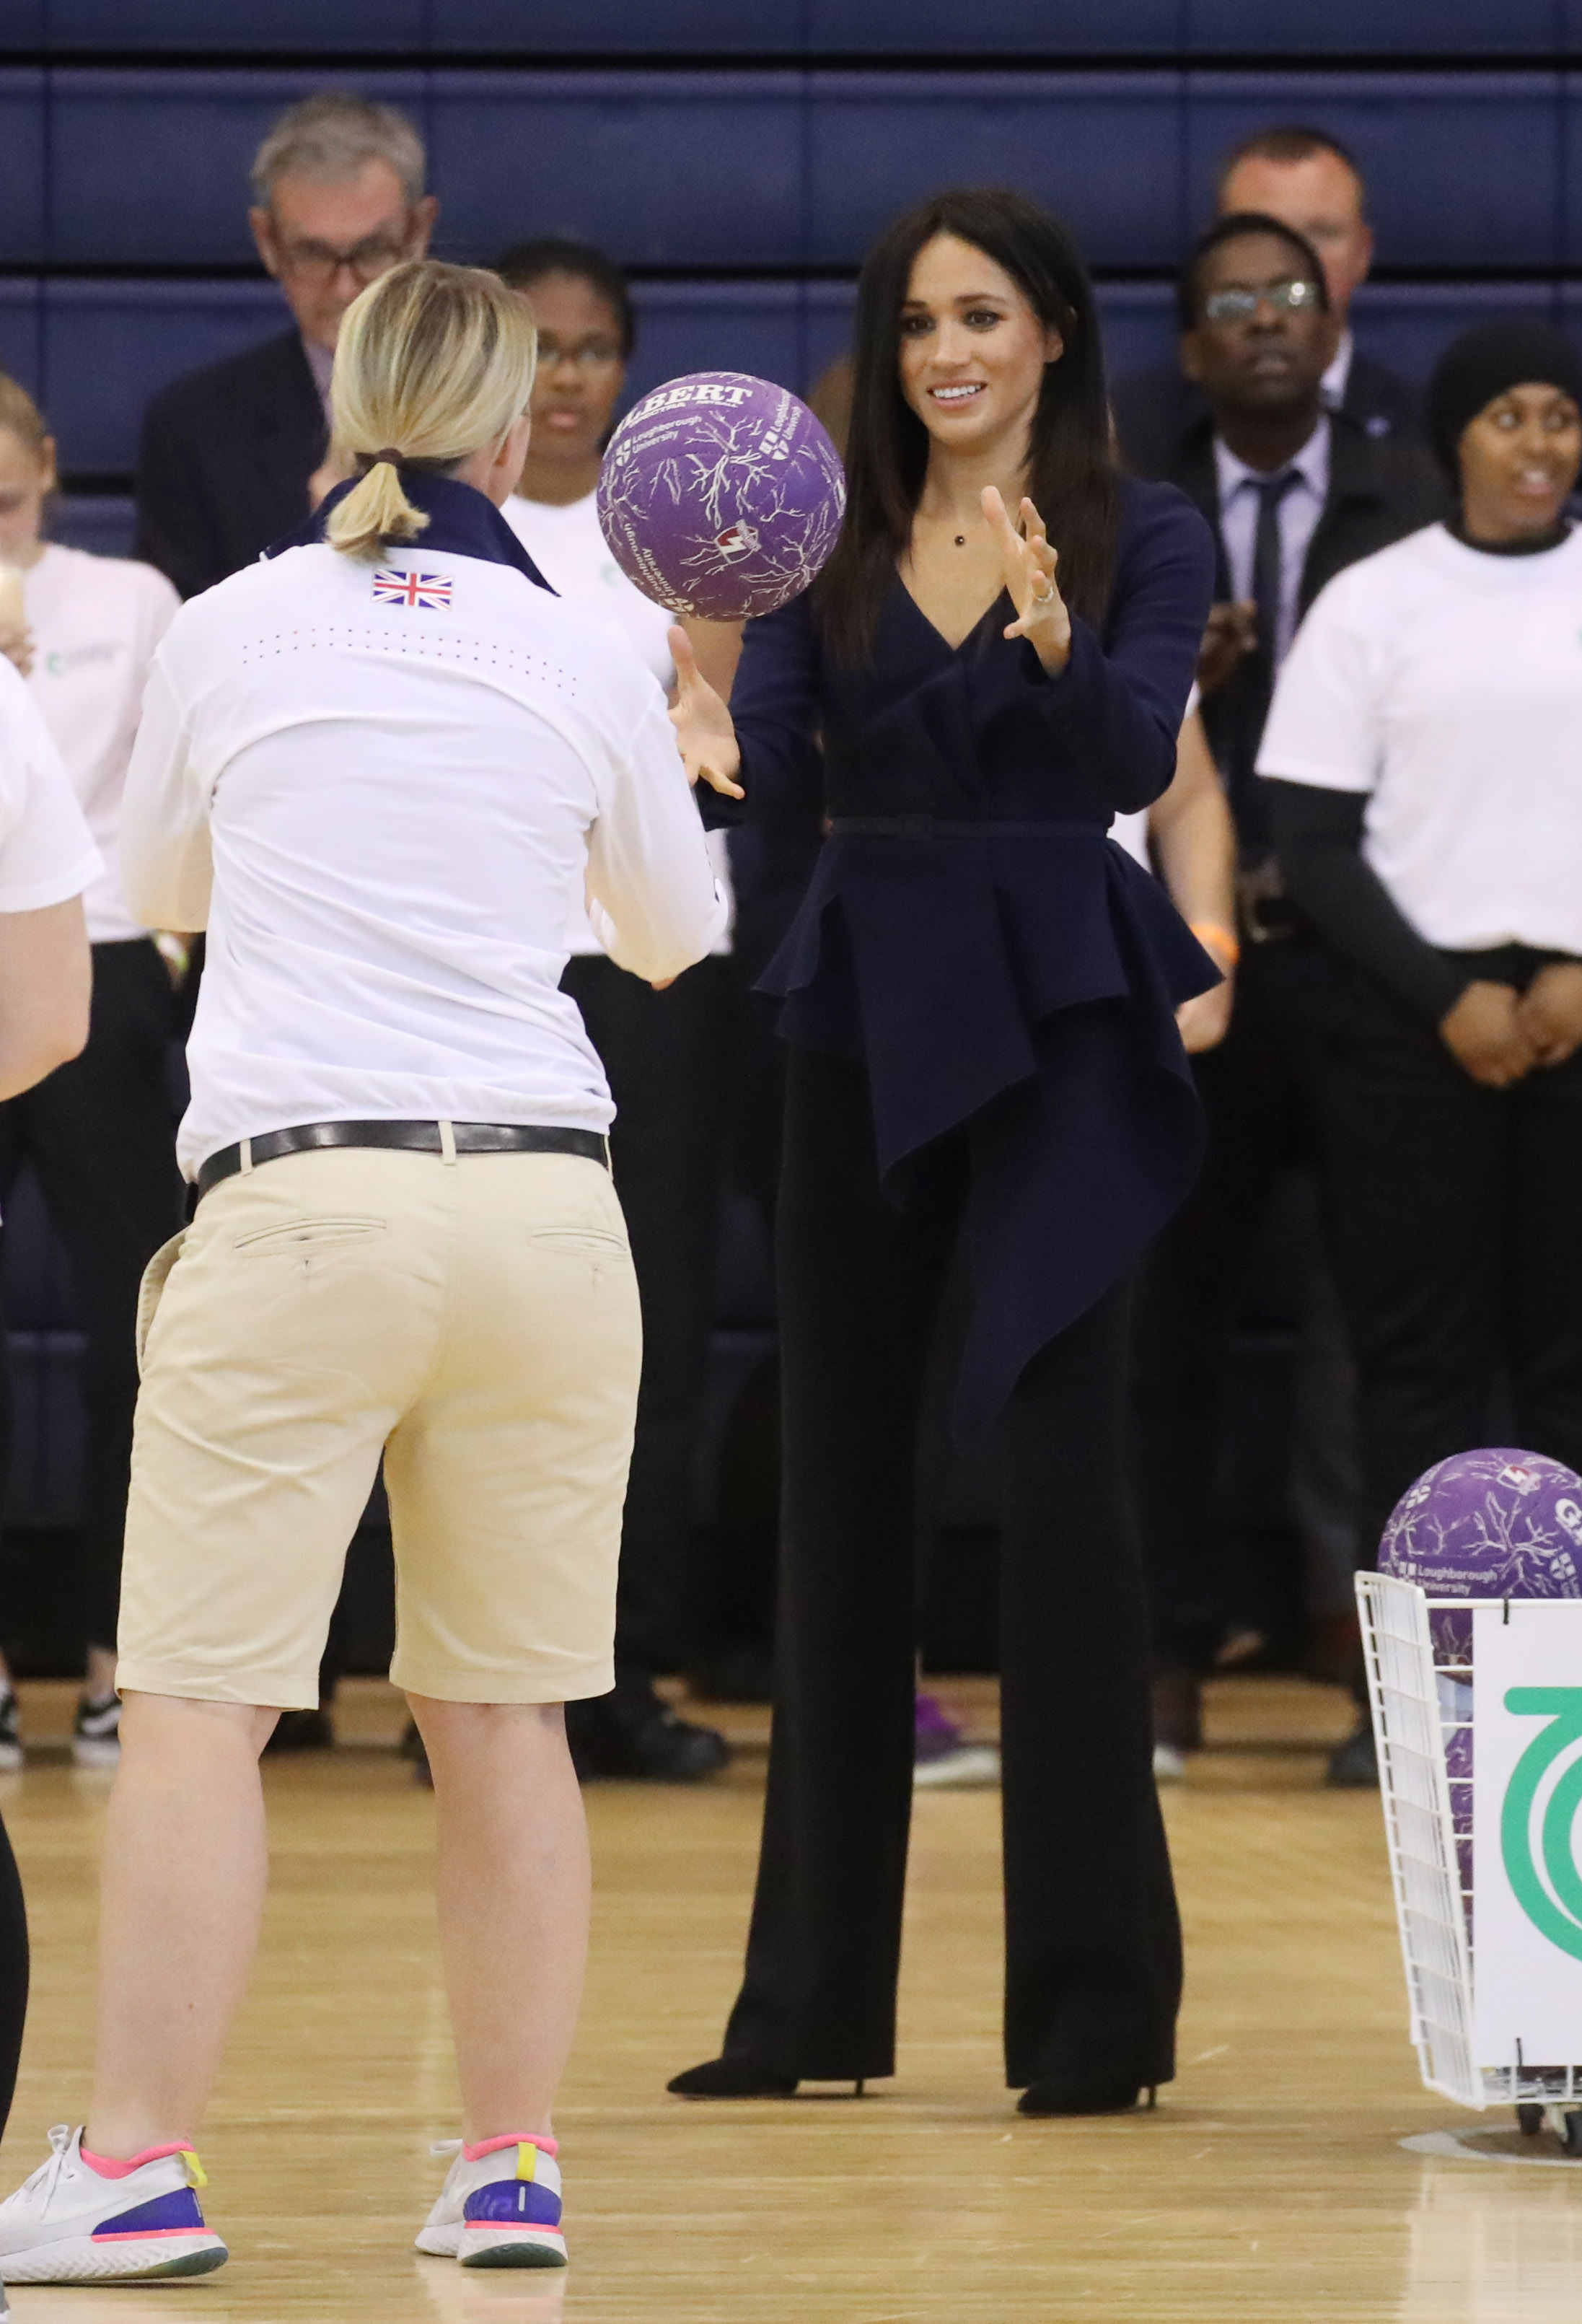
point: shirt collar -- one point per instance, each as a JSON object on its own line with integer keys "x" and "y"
{"x": 321, "y": 363}
{"x": 1312, "y": 464}
{"x": 1333, "y": 386}
{"x": 462, "y": 522}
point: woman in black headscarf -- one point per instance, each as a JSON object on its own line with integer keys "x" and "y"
{"x": 1428, "y": 805}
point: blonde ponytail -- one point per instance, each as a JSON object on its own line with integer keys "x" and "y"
{"x": 433, "y": 364}
{"x": 375, "y": 512}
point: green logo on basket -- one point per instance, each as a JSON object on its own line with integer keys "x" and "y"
{"x": 1551, "y": 1896}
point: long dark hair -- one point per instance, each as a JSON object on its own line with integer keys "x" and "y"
{"x": 1071, "y": 469}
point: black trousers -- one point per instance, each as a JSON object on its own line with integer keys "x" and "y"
{"x": 1092, "y": 1939}
{"x": 13, "y": 1973}
{"x": 667, "y": 1058}
{"x": 1458, "y": 1224}
{"x": 1259, "y": 1095}
{"x": 99, "y": 1133}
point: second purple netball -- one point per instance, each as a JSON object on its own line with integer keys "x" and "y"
{"x": 720, "y": 495}
{"x": 1492, "y": 1524}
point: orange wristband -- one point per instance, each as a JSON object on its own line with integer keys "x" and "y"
{"x": 1220, "y": 941}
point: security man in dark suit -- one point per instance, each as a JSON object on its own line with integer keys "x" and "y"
{"x": 1308, "y": 181}
{"x": 227, "y": 451}
{"x": 1294, "y": 492}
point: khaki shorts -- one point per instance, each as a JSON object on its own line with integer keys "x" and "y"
{"x": 476, "y": 1321}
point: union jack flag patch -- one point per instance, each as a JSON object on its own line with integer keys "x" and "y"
{"x": 393, "y": 587}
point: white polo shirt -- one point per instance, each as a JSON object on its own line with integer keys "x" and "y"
{"x": 47, "y": 852}
{"x": 95, "y": 622}
{"x": 570, "y": 550}
{"x": 396, "y": 781}
{"x": 1446, "y": 683}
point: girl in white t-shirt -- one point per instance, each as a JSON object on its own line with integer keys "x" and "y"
{"x": 665, "y": 1053}
{"x": 1428, "y": 803}
{"x": 100, "y": 1131}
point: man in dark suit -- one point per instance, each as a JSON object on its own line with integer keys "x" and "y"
{"x": 1309, "y": 181}
{"x": 226, "y": 452}
{"x": 1295, "y": 492}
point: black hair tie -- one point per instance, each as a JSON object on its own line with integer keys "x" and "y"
{"x": 390, "y": 454}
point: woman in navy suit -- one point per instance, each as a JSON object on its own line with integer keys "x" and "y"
{"x": 979, "y": 993}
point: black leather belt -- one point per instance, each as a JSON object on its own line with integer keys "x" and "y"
{"x": 933, "y": 827}
{"x": 406, "y": 1138}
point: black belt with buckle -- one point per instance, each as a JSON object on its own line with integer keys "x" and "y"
{"x": 406, "y": 1138}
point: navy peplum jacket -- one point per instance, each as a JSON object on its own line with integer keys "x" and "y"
{"x": 995, "y": 961}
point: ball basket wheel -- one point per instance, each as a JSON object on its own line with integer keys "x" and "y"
{"x": 1571, "y": 2137}
{"x": 1530, "y": 2120}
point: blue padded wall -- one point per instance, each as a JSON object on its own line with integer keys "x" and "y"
{"x": 22, "y": 165}
{"x": 22, "y": 332}
{"x": 108, "y": 346}
{"x": 150, "y": 169}
{"x": 681, "y": 170}
{"x": 1103, "y": 149}
{"x": 1044, "y": 28}
{"x": 1463, "y": 169}
{"x": 691, "y": 170}
{"x": 1381, "y": 27}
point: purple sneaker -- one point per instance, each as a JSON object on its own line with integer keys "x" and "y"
{"x": 942, "y": 1760}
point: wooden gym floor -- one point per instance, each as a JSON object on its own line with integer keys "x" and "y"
{"x": 1270, "y": 2185}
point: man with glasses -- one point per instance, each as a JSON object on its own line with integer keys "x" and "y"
{"x": 1295, "y": 492}
{"x": 227, "y": 451}
{"x": 1312, "y": 183}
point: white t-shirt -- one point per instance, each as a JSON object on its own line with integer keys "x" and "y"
{"x": 571, "y": 552}
{"x": 398, "y": 782}
{"x": 95, "y": 622}
{"x": 47, "y": 852}
{"x": 1446, "y": 684}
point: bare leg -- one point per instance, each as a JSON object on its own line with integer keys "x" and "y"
{"x": 513, "y": 1902}
{"x": 180, "y": 1900}
{"x": 100, "y": 1678}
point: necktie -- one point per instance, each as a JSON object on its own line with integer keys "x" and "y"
{"x": 1256, "y": 675}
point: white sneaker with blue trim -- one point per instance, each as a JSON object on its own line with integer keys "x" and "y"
{"x": 500, "y": 2206}
{"x": 72, "y": 2223}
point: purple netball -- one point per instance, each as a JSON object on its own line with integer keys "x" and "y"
{"x": 720, "y": 495}
{"x": 1493, "y": 1523}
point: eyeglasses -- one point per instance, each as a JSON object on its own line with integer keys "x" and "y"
{"x": 1239, "y": 303}
{"x": 315, "y": 261}
{"x": 587, "y": 354}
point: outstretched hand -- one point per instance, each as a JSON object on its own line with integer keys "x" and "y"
{"x": 704, "y": 735}
{"x": 1028, "y": 563}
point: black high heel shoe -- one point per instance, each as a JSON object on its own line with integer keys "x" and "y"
{"x": 732, "y": 2077}
{"x": 738, "y": 2078}
{"x": 1053, "y": 2098}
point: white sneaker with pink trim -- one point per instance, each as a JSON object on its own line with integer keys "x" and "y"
{"x": 75, "y": 2222}
{"x": 500, "y": 2206}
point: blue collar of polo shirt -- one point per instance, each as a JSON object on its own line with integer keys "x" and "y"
{"x": 463, "y": 522}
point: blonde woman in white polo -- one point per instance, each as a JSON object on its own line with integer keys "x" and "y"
{"x": 380, "y": 767}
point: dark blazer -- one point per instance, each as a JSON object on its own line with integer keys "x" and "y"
{"x": 1381, "y": 488}
{"x": 973, "y": 937}
{"x": 1154, "y": 409}
{"x": 223, "y": 463}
